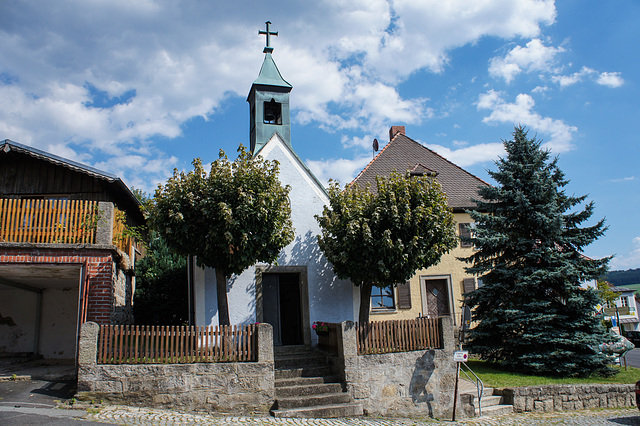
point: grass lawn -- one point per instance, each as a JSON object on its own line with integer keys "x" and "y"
{"x": 494, "y": 376}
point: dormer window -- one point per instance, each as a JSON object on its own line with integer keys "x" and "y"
{"x": 272, "y": 112}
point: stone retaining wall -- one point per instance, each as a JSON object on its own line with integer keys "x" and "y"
{"x": 569, "y": 397}
{"x": 240, "y": 387}
{"x": 403, "y": 383}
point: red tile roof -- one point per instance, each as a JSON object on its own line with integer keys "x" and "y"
{"x": 403, "y": 154}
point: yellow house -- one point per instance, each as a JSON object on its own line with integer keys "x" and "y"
{"x": 436, "y": 291}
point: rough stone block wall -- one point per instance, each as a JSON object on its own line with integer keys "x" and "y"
{"x": 222, "y": 387}
{"x": 122, "y": 291}
{"x": 242, "y": 387}
{"x": 405, "y": 384}
{"x": 402, "y": 383}
{"x": 569, "y": 397}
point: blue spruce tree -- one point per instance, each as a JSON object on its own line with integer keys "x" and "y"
{"x": 531, "y": 314}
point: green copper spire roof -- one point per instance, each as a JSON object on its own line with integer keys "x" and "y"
{"x": 269, "y": 74}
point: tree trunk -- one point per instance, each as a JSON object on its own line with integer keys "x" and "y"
{"x": 365, "y": 303}
{"x": 223, "y": 302}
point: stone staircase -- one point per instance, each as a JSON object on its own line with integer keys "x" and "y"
{"x": 491, "y": 403}
{"x": 307, "y": 386}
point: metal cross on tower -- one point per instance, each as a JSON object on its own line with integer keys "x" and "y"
{"x": 268, "y": 33}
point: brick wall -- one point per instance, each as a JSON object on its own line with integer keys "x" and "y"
{"x": 101, "y": 269}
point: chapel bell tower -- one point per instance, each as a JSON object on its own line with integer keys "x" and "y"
{"x": 269, "y": 101}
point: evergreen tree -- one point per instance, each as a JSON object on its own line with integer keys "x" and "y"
{"x": 161, "y": 285}
{"x": 531, "y": 314}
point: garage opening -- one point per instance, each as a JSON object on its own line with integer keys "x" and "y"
{"x": 39, "y": 310}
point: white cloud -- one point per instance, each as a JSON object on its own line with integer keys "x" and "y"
{"x": 610, "y": 79}
{"x": 342, "y": 170}
{"x": 470, "y": 155}
{"x": 576, "y": 77}
{"x": 625, "y": 179}
{"x": 62, "y": 80}
{"x": 534, "y": 56}
{"x": 521, "y": 112}
{"x": 630, "y": 260}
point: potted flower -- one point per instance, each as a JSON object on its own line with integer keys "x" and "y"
{"x": 321, "y": 328}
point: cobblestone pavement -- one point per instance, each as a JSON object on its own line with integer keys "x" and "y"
{"x": 122, "y": 415}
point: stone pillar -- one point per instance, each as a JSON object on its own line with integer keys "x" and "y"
{"x": 88, "y": 344}
{"x": 265, "y": 343}
{"x": 449, "y": 341}
{"x": 104, "y": 230}
{"x": 348, "y": 353}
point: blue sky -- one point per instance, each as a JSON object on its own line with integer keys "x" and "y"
{"x": 138, "y": 88}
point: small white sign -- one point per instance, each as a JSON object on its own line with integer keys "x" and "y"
{"x": 461, "y": 356}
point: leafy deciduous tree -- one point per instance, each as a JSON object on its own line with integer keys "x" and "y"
{"x": 235, "y": 216}
{"x": 381, "y": 239}
{"x": 531, "y": 313}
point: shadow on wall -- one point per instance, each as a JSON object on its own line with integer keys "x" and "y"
{"x": 323, "y": 282}
{"x": 421, "y": 374}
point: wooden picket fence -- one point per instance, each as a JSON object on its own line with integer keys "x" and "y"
{"x": 47, "y": 221}
{"x": 398, "y": 336}
{"x": 135, "y": 344}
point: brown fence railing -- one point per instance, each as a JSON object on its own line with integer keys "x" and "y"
{"x": 121, "y": 238}
{"x": 57, "y": 221}
{"x": 329, "y": 341}
{"x": 398, "y": 336}
{"x": 134, "y": 344}
{"x": 47, "y": 221}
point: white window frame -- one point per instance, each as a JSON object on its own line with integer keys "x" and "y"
{"x": 423, "y": 293}
{"x": 384, "y": 309}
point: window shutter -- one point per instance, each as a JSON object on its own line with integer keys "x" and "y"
{"x": 469, "y": 284}
{"x": 404, "y": 296}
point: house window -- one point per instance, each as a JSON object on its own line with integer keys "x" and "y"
{"x": 272, "y": 112}
{"x": 382, "y": 298}
{"x": 465, "y": 232}
{"x": 624, "y": 301}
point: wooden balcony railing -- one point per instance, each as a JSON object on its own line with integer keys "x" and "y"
{"x": 399, "y": 336}
{"x": 47, "y": 221}
{"x": 56, "y": 221}
{"x": 135, "y": 344}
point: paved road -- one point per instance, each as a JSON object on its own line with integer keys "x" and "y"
{"x": 34, "y": 402}
{"x": 146, "y": 417}
{"x": 633, "y": 358}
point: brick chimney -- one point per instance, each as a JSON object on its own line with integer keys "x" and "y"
{"x": 394, "y": 130}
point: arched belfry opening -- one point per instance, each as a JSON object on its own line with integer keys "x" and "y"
{"x": 272, "y": 112}
{"x": 269, "y": 101}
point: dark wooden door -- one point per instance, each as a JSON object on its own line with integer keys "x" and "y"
{"x": 281, "y": 307}
{"x": 437, "y": 297}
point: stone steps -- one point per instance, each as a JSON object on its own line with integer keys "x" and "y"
{"x": 491, "y": 403}
{"x": 304, "y": 390}
{"x": 304, "y": 381}
{"x": 497, "y": 410}
{"x": 300, "y": 372}
{"x": 307, "y": 386}
{"x": 314, "y": 400}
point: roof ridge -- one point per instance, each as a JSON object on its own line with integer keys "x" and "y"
{"x": 445, "y": 159}
{"x": 373, "y": 159}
